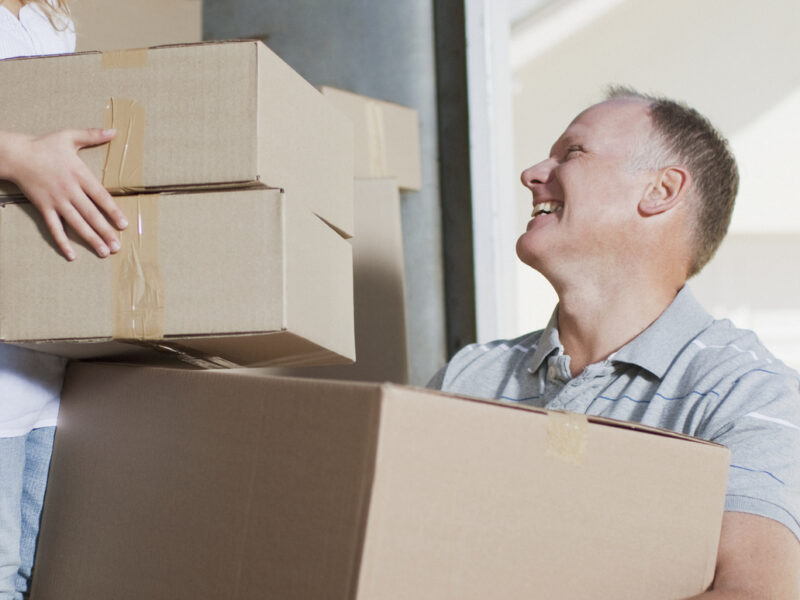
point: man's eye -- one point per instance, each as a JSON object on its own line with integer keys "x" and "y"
{"x": 573, "y": 149}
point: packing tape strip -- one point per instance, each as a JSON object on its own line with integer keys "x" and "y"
{"x": 566, "y": 436}
{"x": 137, "y": 285}
{"x": 122, "y": 171}
{"x": 124, "y": 59}
{"x": 376, "y": 139}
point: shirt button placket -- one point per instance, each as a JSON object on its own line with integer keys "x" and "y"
{"x": 588, "y": 392}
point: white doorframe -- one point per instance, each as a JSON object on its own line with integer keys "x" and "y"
{"x": 492, "y": 160}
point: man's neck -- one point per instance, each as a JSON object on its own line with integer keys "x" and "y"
{"x": 594, "y": 322}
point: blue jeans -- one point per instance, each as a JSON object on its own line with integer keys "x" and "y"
{"x": 24, "y": 464}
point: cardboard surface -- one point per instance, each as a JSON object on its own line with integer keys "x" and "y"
{"x": 113, "y": 25}
{"x": 378, "y": 290}
{"x": 248, "y": 276}
{"x": 225, "y": 114}
{"x": 232, "y": 485}
{"x": 386, "y": 137}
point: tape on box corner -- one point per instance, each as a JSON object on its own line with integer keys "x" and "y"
{"x": 376, "y": 139}
{"x": 124, "y": 59}
{"x": 566, "y": 436}
{"x": 122, "y": 171}
{"x": 137, "y": 283}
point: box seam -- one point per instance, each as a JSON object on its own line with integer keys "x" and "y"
{"x": 259, "y": 116}
{"x": 285, "y": 302}
{"x": 367, "y": 492}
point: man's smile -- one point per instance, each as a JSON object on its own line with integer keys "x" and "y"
{"x": 546, "y": 207}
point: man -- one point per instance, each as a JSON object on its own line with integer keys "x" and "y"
{"x": 634, "y": 199}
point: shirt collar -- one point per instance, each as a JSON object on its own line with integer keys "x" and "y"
{"x": 548, "y": 342}
{"x": 656, "y": 347}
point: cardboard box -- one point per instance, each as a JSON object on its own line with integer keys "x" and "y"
{"x": 248, "y": 276}
{"x": 227, "y": 114}
{"x": 378, "y": 290}
{"x": 113, "y": 25}
{"x": 386, "y": 137}
{"x": 199, "y": 485}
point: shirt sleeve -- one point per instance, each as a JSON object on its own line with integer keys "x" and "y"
{"x": 437, "y": 380}
{"x": 759, "y": 421}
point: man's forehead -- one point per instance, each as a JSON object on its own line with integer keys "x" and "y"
{"x": 616, "y": 109}
{"x": 607, "y": 120}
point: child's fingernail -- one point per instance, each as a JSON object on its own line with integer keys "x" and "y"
{"x": 102, "y": 251}
{"x": 123, "y": 222}
{"x": 114, "y": 245}
{"x": 109, "y": 131}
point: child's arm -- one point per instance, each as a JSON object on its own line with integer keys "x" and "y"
{"x": 56, "y": 181}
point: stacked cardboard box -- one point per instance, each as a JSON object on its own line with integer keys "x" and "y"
{"x": 112, "y": 25}
{"x": 387, "y": 161}
{"x": 387, "y": 137}
{"x": 246, "y": 277}
{"x": 208, "y": 484}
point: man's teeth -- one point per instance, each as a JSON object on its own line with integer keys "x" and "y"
{"x": 546, "y": 208}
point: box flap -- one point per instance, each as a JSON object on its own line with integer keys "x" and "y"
{"x": 379, "y": 290}
{"x": 319, "y": 299}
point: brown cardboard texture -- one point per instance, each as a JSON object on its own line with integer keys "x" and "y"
{"x": 222, "y": 485}
{"x": 226, "y": 114}
{"x": 113, "y": 25}
{"x": 248, "y": 276}
{"x": 386, "y": 137}
{"x": 378, "y": 290}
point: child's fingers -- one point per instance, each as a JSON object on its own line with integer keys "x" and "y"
{"x": 95, "y": 219}
{"x": 74, "y": 219}
{"x": 83, "y": 138}
{"x": 56, "y": 228}
{"x": 100, "y": 196}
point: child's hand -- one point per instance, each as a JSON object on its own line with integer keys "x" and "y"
{"x": 57, "y": 182}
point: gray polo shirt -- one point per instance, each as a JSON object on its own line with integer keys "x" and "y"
{"x": 686, "y": 372}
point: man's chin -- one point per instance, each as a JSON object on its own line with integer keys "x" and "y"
{"x": 528, "y": 253}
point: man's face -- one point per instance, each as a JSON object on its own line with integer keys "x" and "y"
{"x": 586, "y": 194}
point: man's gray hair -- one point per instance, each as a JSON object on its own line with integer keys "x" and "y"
{"x": 688, "y": 138}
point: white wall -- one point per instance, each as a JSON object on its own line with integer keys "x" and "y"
{"x": 736, "y": 62}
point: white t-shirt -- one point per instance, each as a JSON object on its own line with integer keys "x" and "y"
{"x": 30, "y": 382}
{"x": 32, "y": 34}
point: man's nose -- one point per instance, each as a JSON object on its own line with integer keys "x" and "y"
{"x": 538, "y": 173}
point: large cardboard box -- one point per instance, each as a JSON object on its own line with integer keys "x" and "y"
{"x": 226, "y": 114}
{"x": 378, "y": 290}
{"x": 386, "y": 137}
{"x": 203, "y": 485}
{"x": 113, "y": 25}
{"x": 247, "y": 276}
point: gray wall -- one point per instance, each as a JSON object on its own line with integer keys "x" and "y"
{"x": 384, "y": 49}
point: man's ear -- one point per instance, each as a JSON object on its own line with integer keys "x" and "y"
{"x": 666, "y": 191}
